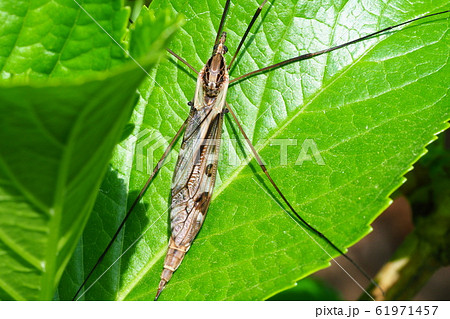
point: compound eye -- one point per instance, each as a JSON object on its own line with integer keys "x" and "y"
{"x": 215, "y": 47}
{"x": 225, "y": 49}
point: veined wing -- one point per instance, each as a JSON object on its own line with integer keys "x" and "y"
{"x": 190, "y": 200}
{"x": 196, "y": 169}
{"x": 195, "y": 174}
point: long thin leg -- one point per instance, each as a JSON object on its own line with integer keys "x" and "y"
{"x": 255, "y": 16}
{"x": 222, "y": 22}
{"x": 318, "y": 233}
{"x": 182, "y": 60}
{"x": 136, "y": 201}
{"x": 311, "y": 55}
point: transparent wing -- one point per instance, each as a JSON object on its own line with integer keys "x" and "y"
{"x": 194, "y": 177}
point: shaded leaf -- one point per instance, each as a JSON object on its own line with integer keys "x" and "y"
{"x": 57, "y": 135}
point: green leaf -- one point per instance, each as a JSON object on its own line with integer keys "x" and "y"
{"x": 57, "y": 135}
{"x": 308, "y": 289}
{"x": 58, "y": 39}
{"x": 426, "y": 249}
{"x": 136, "y": 7}
{"x": 369, "y": 109}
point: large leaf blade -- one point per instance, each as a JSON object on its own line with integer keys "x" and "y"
{"x": 56, "y": 140}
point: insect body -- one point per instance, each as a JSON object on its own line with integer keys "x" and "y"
{"x": 195, "y": 172}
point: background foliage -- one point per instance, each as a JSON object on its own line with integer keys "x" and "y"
{"x": 60, "y": 120}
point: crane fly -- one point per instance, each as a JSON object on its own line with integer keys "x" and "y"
{"x": 196, "y": 169}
